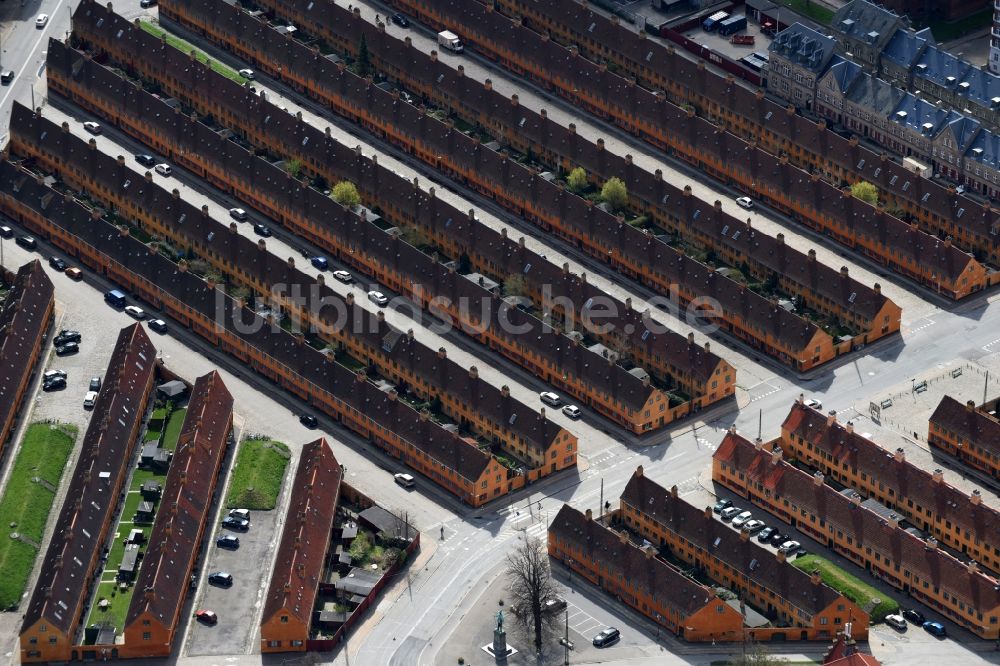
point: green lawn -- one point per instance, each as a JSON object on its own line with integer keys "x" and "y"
{"x": 257, "y": 476}
{"x": 117, "y": 610}
{"x": 26, "y": 505}
{"x": 815, "y": 11}
{"x": 173, "y": 429}
{"x": 945, "y": 31}
{"x": 850, "y": 586}
{"x": 184, "y": 46}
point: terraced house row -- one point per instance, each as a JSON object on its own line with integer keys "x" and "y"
{"x": 960, "y": 521}
{"x": 749, "y": 316}
{"x": 735, "y": 134}
{"x": 175, "y": 541}
{"x": 841, "y": 305}
{"x": 53, "y": 623}
{"x": 960, "y": 591}
{"x": 634, "y": 575}
{"x": 798, "y": 604}
{"x": 302, "y": 551}
{"x": 701, "y": 377}
{"x": 26, "y": 312}
{"x": 473, "y": 403}
{"x": 967, "y": 433}
{"x": 345, "y": 395}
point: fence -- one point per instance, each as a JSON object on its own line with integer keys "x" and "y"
{"x": 727, "y": 64}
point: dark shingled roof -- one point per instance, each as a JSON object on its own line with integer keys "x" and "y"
{"x": 971, "y": 425}
{"x": 184, "y": 506}
{"x": 605, "y": 549}
{"x": 69, "y": 562}
{"x": 715, "y": 537}
{"x": 298, "y": 567}
{"x": 866, "y": 528}
{"x": 23, "y": 322}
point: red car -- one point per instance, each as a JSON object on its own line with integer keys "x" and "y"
{"x": 206, "y": 616}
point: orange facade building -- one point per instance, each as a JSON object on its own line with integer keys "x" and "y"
{"x": 966, "y": 433}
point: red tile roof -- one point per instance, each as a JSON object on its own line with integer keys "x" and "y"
{"x": 968, "y": 424}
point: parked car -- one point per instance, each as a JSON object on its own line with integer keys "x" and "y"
{"x": 261, "y": 230}
{"x": 607, "y": 637}
{"x": 400, "y": 20}
{"x": 57, "y": 263}
{"x": 146, "y": 3}
{"x": 158, "y": 325}
{"x": 74, "y": 273}
{"x": 247, "y": 74}
{"x": 163, "y": 169}
{"x": 914, "y": 616}
{"x": 378, "y": 298}
{"x": 135, "y": 312}
{"x": 6, "y": 76}
{"x": 146, "y": 160}
{"x": 936, "y": 629}
{"x": 95, "y": 383}
{"x": 789, "y": 547}
{"x": 320, "y": 263}
{"x": 814, "y": 403}
{"x": 206, "y": 616}
{"x": 343, "y": 276}
{"x": 27, "y": 242}
{"x": 67, "y": 349}
{"x": 42, "y": 20}
{"x": 778, "y": 538}
{"x": 896, "y": 622}
{"x": 92, "y": 127}
{"x": 6, "y": 232}
{"x": 572, "y": 411}
{"x": 220, "y": 579}
{"x": 753, "y": 526}
{"x": 90, "y": 400}
{"x": 729, "y": 513}
{"x": 405, "y": 480}
{"x": 741, "y": 518}
{"x": 67, "y": 336}
{"x": 721, "y": 505}
{"x": 238, "y": 214}
{"x": 553, "y": 604}
{"x": 765, "y": 534}
{"x": 745, "y": 202}
{"x": 52, "y": 374}
{"x": 54, "y": 384}
{"x": 550, "y": 398}
{"x": 240, "y": 513}
{"x": 228, "y": 541}
{"x": 308, "y": 420}
{"x": 237, "y": 524}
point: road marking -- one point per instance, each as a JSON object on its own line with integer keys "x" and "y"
{"x": 988, "y": 345}
{"x": 43, "y": 35}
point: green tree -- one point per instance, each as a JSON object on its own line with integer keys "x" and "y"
{"x": 346, "y": 194}
{"x": 614, "y": 193}
{"x": 364, "y": 63}
{"x": 293, "y": 167}
{"x": 865, "y": 191}
{"x": 577, "y": 180}
{"x": 514, "y": 285}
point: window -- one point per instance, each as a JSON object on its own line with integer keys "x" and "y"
{"x": 274, "y": 644}
{"x": 146, "y": 635}
{"x": 284, "y": 618}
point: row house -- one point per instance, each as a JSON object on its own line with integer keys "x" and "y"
{"x": 798, "y": 56}
{"x": 959, "y": 591}
{"x": 276, "y": 354}
{"x": 662, "y": 352}
{"x": 748, "y": 316}
{"x": 786, "y": 140}
{"x": 882, "y": 42}
{"x": 798, "y": 604}
{"x": 398, "y": 356}
{"x": 26, "y": 313}
{"x": 52, "y": 625}
{"x": 672, "y": 207}
{"x": 303, "y": 551}
{"x": 168, "y": 562}
{"x": 966, "y": 433}
{"x": 960, "y": 521}
{"x": 635, "y": 576}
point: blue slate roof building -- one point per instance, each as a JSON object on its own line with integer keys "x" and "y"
{"x": 864, "y": 29}
{"x": 798, "y": 56}
{"x": 902, "y": 53}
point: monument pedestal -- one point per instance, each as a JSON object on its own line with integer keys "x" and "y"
{"x": 498, "y": 648}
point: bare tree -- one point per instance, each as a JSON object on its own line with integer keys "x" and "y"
{"x": 530, "y": 585}
{"x": 755, "y": 654}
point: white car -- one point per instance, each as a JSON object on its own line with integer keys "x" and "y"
{"x": 247, "y": 74}
{"x": 745, "y": 202}
{"x": 163, "y": 169}
{"x": 92, "y": 127}
{"x": 753, "y": 526}
{"x": 135, "y": 312}
{"x": 378, "y": 298}
{"x": 238, "y": 214}
{"x": 789, "y": 547}
{"x": 550, "y": 398}
{"x": 896, "y": 622}
{"x": 89, "y": 400}
{"x": 42, "y": 20}
{"x": 343, "y": 276}
{"x": 572, "y": 411}
{"x": 815, "y": 404}
{"x": 742, "y": 518}
{"x": 405, "y": 480}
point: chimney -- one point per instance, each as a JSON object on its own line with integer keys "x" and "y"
{"x": 590, "y": 515}
{"x": 818, "y": 478}
{"x": 815, "y": 578}
{"x": 970, "y": 405}
{"x": 849, "y": 427}
{"x": 878, "y": 289}
{"x": 541, "y": 413}
{"x": 781, "y": 239}
{"x": 938, "y": 476}
{"x": 780, "y": 556}
{"x": 930, "y": 544}
{"x": 204, "y": 210}
{"x": 843, "y": 271}
{"x": 505, "y": 391}
{"x": 972, "y": 566}
{"x": 513, "y": 100}
{"x": 900, "y": 455}
{"x": 776, "y": 455}
{"x": 380, "y": 316}
{"x": 393, "y": 394}
{"x": 639, "y": 471}
{"x": 744, "y": 536}
{"x": 718, "y": 206}
{"x": 424, "y": 414}
{"x": 812, "y": 255}
{"x": 976, "y": 497}
{"x": 473, "y": 372}
{"x": 442, "y": 353}
{"x": 121, "y": 160}
{"x": 176, "y": 193}
{"x": 687, "y": 190}
{"x": 622, "y": 537}
{"x": 707, "y": 513}
{"x": 708, "y": 346}
{"x": 673, "y": 491}
{"x": 488, "y": 84}
{"x": 690, "y": 338}
{"x": 831, "y": 418}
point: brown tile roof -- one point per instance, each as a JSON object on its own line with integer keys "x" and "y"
{"x": 719, "y": 540}
{"x": 299, "y": 565}
{"x": 185, "y": 504}
{"x": 605, "y": 549}
{"x": 23, "y": 322}
{"x": 866, "y": 528}
{"x": 294, "y": 357}
{"x": 61, "y": 591}
{"x": 863, "y": 456}
{"x": 795, "y": 333}
{"x": 210, "y": 237}
{"x": 970, "y": 425}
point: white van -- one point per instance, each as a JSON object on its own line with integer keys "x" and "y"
{"x": 405, "y": 480}
{"x": 163, "y": 169}
{"x": 550, "y": 398}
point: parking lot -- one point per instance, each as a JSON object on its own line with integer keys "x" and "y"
{"x": 722, "y": 43}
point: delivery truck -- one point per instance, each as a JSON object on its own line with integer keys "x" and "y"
{"x": 732, "y": 24}
{"x": 449, "y": 40}
{"x": 712, "y": 21}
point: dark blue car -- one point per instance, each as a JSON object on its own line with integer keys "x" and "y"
{"x": 321, "y": 263}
